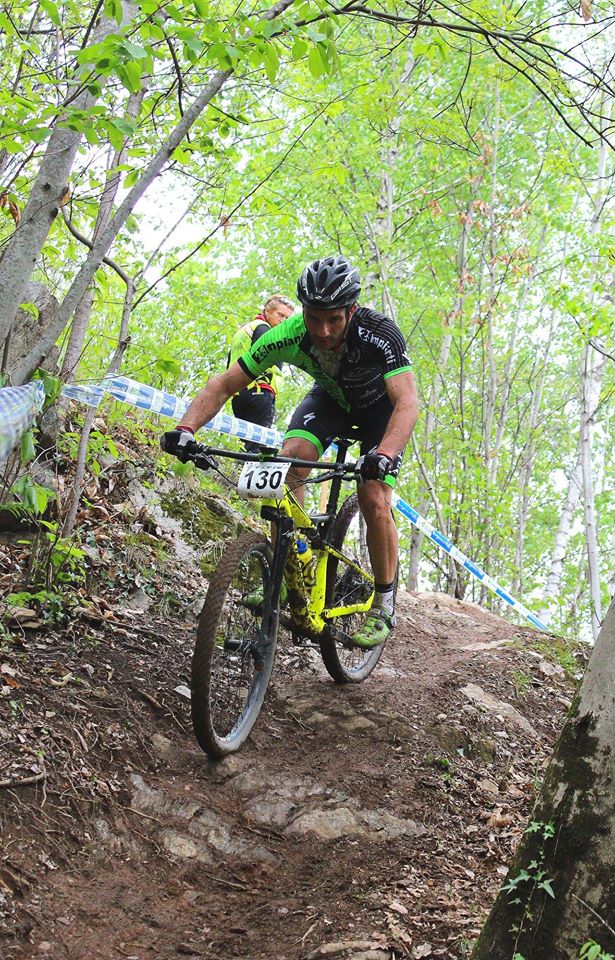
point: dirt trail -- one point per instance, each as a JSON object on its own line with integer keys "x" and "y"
{"x": 377, "y": 817}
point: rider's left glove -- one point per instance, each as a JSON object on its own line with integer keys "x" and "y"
{"x": 175, "y": 441}
{"x": 373, "y": 465}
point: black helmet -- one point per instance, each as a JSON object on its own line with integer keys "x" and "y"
{"x": 329, "y": 283}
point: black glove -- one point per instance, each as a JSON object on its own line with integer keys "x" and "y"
{"x": 373, "y": 465}
{"x": 176, "y": 442}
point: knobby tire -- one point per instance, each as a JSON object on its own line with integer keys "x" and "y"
{"x": 342, "y": 664}
{"x": 226, "y": 619}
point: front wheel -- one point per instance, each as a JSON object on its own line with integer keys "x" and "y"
{"x": 233, "y": 656}
{"x": 346, "y": 586}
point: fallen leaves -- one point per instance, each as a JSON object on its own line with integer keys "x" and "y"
{"x": 423, "y": 950}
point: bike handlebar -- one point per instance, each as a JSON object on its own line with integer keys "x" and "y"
{"x": 203, "y": 457}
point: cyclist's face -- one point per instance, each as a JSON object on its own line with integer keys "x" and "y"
{"x": 327, "y": 328}
{"x": 277, "y": 312}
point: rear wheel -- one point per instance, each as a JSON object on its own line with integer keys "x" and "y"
{"x": 233, "y": 659}
{"x": 344, "y": 587}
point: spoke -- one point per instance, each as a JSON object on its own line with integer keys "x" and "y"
{"x": 233, "y": 667}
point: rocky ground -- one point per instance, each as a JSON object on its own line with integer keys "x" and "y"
{"x": 372, "y": 821}
{"x": 361, "y": 822}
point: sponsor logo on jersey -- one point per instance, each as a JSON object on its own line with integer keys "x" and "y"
{"x": 260, "y": 353}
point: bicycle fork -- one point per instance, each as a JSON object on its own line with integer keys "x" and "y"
{"x": 284, "y": 527}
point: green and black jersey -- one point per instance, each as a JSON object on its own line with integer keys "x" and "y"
{"x": 374, "y": 350}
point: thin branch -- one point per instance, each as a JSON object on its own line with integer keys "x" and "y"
{"x": 89, "y": 244}
{"x": 237, "y": 206}
{"x": 595, "y": 913}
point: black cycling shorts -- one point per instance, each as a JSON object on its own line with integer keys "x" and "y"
{"x": 320, "y": 419}
{"x": 256, "y": 406}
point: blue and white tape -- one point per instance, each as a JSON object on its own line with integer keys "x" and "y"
{"x": 167, "y": 405}
{"x": 445, "y": 544}
{"x": 18, "y": 409}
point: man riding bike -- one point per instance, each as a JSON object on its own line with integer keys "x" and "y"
{"x": 363, "y": 379}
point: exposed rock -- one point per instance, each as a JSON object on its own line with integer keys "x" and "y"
{"x": 204, "y": 830}
{"x": 184, "y": 847}
{"x": 148, "y": 800}
{"x": 350, "y": 950}
{"x": 257, "y": 782}
{"x": 139, "y": 600}
{"x": 453, "y": 739}
{"x": 225, "y": 840}
{"x": 499, "y": 707}
{"x": 276, "y": 812}
{"x": 166, "y": 749}
{"x": 489, "y": 786}
{"x": 549, "y": 669}
{"x": 343, "y": 822}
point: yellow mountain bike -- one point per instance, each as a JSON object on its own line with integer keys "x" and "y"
{"x": 326, "y": 600}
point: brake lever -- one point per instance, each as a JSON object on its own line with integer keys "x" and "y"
{"x": 205, "y": 461}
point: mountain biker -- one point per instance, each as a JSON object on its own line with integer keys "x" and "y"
{"x": 256, "y": 402}
{"x": 358, "y": 359}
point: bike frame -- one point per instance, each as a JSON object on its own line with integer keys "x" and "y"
{"x": 308, "y": 604}
{"x": 310, "y": 616}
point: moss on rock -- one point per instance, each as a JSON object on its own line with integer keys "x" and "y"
{"x": 207, "y": 522}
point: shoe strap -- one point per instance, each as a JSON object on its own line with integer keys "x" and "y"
{"x": 381, "y": 614}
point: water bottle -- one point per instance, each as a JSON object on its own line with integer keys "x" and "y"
{"x": 306, "y": 559}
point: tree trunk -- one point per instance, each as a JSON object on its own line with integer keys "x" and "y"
{"x": 592, "y": 373}
{"x": 569, "y": 847}
{"x": 26, "y": 242}
{"x": 416, "y": 541}
{"x": 112, "y": 182}
{"x": 593, "y": 368}
{"x": 492, "y": 387}
{"x": 525, "y": 476}
{"x": 74, "y": 496}
{"x": 380, "y": 232}
{"x": 564, "y": 530}
{"x": 107, "y": 236}
{"x": 611, "y": 582}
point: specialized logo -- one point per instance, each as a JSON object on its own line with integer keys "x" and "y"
{"x": 308, "y": 417}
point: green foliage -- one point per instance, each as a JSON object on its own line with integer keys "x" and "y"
{"x": 52, "y": 604}
{"x": 33, "y": 499}
{"x": 593, "y": 951}
{"x": 589, "y": 951}
{"x": 522, "y": 682}
{"x": 488, "y": 249}
{"x": 65, "y": 563}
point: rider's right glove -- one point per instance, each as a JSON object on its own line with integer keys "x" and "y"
{"x": 373, "y": 465}
{"x": 176, "y": 441}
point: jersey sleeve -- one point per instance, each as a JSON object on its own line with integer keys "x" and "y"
{"x": 275, "y": 347}
{"x": 392, "y": 347}
{"x": 383, "y": 343}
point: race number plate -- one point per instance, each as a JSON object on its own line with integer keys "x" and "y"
{"x": 263, "y": 480}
